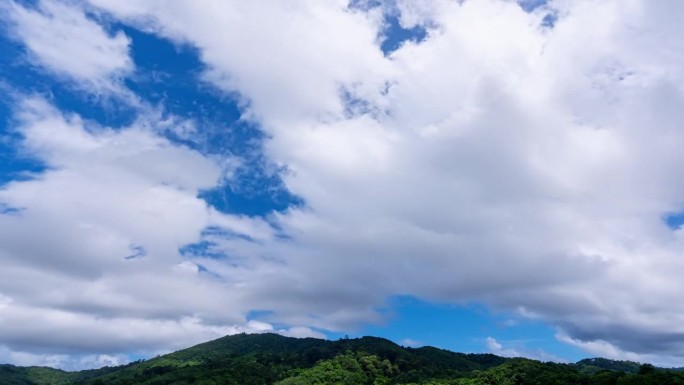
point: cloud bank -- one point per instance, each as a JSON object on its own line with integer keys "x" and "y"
{"x": 520, "y": 158}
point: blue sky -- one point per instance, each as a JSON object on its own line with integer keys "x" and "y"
{"x": 469, "y": 328}
{"x": 481, "y": 176}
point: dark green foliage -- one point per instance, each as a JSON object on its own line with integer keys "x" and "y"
{"x": 11, "y": 375}
{"x": 251, "y": 359}
{"x": 346, "y": 369}
{"x": 593, "y": 365}
{"x": 520, "y": 371}
{"x": 605, "y": 377}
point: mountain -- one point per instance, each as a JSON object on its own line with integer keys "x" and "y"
{"x": 247, "y": 359}
{"x": 593, "y": 365}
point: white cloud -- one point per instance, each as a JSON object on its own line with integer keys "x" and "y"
{"x": 341, "y": 52}
{"x": 62, "y": 39}
{"x": 108, "y": 194}
{"x": 498, "y": 161}
{"x": 516, "y": 164}
{"x": 302, "y": 332}
{"x": 600, "y": 348}
{"x": 495, "y": 347}
{"x": 63, "y": 361}
{"x": 411, "y": 342}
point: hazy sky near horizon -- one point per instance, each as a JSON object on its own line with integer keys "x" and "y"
{"x": 505, "y": 172}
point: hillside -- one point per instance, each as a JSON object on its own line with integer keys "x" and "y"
{"x": 246, "y": 359}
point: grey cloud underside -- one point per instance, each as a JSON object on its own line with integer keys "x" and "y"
{"x": 499, "y": 160}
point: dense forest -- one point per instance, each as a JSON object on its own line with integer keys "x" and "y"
{"x": 247, "y": 359}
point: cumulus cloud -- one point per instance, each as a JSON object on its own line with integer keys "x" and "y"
{"x": 63, "y": 361}
{"x": 342, "y": 54}
{"x": 60, "y": 38}
{"x": 93, "y": 244}
{"x": 500, "y": 160}
{"x": 302, "y": 332}
{"x": 601, "y": 348}
{"x": 495, "y": 347}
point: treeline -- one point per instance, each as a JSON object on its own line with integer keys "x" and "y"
{"x": 248, "y": 359}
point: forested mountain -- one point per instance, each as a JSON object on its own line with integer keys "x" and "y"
{"x": 247, "y": 359}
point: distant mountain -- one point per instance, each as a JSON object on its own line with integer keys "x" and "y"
{"x": 247, "y": 359}
{"x": 593, "y": 365}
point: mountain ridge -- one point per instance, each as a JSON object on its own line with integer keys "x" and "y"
{"x": 269, "y": 358}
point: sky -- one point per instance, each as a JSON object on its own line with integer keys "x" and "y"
{"x": 479, "y": 175}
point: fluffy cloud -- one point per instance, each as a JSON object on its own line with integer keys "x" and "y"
{"x": 494, "y": 347}
{"x": 342, "y": 54}
{"x": 91, "y": 246}
{"x": 500, "y": 160}
{"x": 62, "y": 39}
{"x": 63, "y": 361}
{"x": 601, "y": 348}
